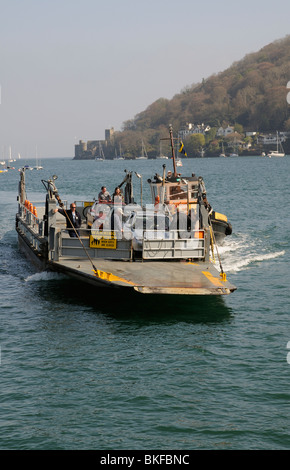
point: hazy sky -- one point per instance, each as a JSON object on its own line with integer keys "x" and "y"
{"x": 69, "y": 69}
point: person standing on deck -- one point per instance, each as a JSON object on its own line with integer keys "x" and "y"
{"x": 73, "y": 219}
{"x": 104, "y": 195}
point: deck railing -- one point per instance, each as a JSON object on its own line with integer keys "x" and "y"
{"x": 125, "y": 245}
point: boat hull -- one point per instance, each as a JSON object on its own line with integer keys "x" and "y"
{"x": 38, "y": 257}
{"x": 276, "y": 154}
{"x": 221, "y": 227}
{"x": 180, "y": 277}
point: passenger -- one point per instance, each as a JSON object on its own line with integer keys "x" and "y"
{"x": 99, "y": 225}
{"x": 194, "y": 219}
{"x": 118, "y": 197}
{"x": 169, "y": 208}
{"x": 116, "y": 222}
{"x": 73, "y": 219}
{"x": 104, "y": 195}
{"x": 93, "y": 210}
{"x": 157, "y": 206}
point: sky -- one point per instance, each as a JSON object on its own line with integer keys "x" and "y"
{"x": 70, "y": 69}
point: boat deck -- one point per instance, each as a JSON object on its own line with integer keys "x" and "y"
{"x": 164, "y": 278}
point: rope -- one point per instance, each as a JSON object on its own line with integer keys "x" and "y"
{"x": 222, "y": 274}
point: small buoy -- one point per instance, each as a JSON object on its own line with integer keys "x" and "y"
{"x": 34, "y": 211}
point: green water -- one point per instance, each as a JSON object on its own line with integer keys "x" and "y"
{"x": 83, "y": 369}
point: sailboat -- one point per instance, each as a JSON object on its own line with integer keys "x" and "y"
{"x": 118, "y": 157}
{"x": 235, "y": 149}
{"x": 223, "y": 151}
{"x": 10, "y": 159}
{"x": 161, "y": 155}
{"x": 279, "y": 152}
{"x": 101, "y": 156}
{"x": 3, "y": 167}
{"x": 144, "y": 155}
{"x": 37, "y": 166}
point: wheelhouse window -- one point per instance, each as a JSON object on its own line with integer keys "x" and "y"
{"x": 178, "y": 192}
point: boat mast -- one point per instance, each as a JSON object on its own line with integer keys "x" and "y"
{"x": 279, "y": 144}
{"x": 172, "y": 150}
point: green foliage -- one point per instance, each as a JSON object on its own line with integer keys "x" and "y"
{"x": 194, "y": 143}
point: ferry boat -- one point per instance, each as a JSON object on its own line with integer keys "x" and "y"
{"x": 162, "y": 248}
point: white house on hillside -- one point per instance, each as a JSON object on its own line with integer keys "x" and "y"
{"x": 268, "y": 139}
{"x": 190, "y": 128}
{"x": 221, "y": 132}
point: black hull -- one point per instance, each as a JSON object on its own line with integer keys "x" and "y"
{"x": 221, "y": 229}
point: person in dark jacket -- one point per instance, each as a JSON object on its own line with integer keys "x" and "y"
{"x": 73, "y": 219}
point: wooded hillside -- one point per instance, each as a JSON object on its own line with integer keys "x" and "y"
{"x": 251, "y": 93}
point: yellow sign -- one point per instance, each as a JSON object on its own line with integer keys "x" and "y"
{"x": 98, "y": 234}
{"x": 108, "y": 243}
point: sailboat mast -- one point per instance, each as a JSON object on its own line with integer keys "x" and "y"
{"x": 172, "y": 151}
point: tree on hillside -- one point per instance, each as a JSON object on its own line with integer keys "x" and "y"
{"x": 194, "y": 143}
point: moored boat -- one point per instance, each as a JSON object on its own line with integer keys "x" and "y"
{"x": 279, "y": 152}
{"x": 143, "y": 155}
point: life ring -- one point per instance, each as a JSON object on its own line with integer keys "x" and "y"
{"x": 86, "y": 210}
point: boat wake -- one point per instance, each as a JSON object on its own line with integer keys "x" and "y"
{"x": 45, "y": 276}
{"x": 241, "y": 253}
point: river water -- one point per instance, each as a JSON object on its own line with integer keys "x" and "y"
{"x": 85, "y": 370}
